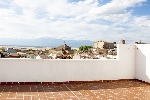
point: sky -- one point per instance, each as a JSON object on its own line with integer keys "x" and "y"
{"x": 110, "y": 20}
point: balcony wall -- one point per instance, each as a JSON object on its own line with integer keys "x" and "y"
{"x": 30, "y": 70}
{"x": 143, "y": 62}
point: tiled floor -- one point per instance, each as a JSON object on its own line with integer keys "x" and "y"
{"x": 117, "y": 90}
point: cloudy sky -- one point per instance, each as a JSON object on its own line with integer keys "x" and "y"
{"x": 109, "y": 20}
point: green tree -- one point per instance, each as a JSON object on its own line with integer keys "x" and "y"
{"x": 84, "y": 48}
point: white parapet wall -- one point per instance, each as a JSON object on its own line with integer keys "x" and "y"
{"x": 143, "y": 62}
{"x": 60, "y": 70}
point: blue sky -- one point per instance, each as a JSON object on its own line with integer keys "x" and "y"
{"x": 110, "y": 20}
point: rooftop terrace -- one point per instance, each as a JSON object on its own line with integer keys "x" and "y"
{"x": 132, "y": 64}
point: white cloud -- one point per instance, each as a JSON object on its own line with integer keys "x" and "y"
{"x": 37, "y": 18}
{"x": 116, "y": 7}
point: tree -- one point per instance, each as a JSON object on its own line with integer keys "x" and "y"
{"x": 84, "y": 48}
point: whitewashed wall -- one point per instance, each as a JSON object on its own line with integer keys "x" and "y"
{"x": 26, "y": 70}
{"x": 143, "y": 62}
{"x": 126, "y": 65}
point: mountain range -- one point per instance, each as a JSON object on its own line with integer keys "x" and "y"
{"x": 44, "y": 42}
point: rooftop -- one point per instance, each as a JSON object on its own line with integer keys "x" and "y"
{"x": 94, "y": 90}
{"x": 114, "y": 79}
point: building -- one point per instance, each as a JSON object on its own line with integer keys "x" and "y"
{"x": 11, "y": 51}
{"x": 141, "y": 42}
{"x": 65, "y": 49}
{"x": 14, "y": 56}
{"x": 103, "y": 45}
{"x": 122, "y": 41}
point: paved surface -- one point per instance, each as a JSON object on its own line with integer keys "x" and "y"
{"x": 116, "y": 90}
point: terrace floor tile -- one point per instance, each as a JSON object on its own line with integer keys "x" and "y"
{"x": 111, "y": 90}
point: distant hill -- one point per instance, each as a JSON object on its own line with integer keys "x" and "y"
{"x": 44, "y": 41}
